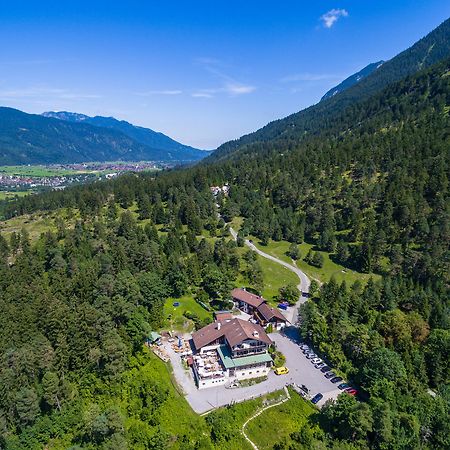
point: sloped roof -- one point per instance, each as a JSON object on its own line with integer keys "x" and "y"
{"x": 247, "y": 297}
{"x": 239, "y": 330}
{"x": 223, "y": 316}
{"x": 207, "y": 334}
{"x": 235, "y": 331}
{"x": 268, "y": 312}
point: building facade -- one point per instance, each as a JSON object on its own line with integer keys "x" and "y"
{"x": 228, "y": 351}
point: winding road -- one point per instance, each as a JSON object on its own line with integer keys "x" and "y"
{"x": 303, "y": 286}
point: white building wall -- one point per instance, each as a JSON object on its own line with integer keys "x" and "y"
{"x": 207, "y": 383}
{"x": 254, "y": 372}
{"x": 209, "y": 348}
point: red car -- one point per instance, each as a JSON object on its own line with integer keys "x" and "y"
{"x": 351, "y": 391}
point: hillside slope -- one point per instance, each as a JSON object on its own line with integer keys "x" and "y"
{"x": 143, "y": 135}
{"x": 352, "y": 80}
{"x": 429, "y": 50}
{"x": 371, "y": 190}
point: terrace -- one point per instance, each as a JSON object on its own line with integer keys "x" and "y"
{"x": 208, "y": 369}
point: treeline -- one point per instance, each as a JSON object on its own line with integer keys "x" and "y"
{"x": 370, "y": 188}
{"x": 390, "y": 338}
{"x": 78, "y": 305}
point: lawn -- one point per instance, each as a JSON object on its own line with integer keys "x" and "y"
{"x": 174, "y": 314}
{"x": 277, "y": 423}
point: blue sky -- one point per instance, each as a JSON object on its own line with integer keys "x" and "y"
{"x": 202, "y": 72}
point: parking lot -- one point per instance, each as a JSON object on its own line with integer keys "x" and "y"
{"x": 301, "y": 371}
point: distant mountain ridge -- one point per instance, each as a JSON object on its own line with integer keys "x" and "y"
{"x": 353, "y": 79}
{"x": 429, "y": 50}
{"x": 143, "y": 135}
{"x": 37, "y": 139}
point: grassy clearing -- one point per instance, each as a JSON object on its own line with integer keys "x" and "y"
{"x": 6, "y": 195}
{"x": 38, "y": 171}
{"x": 281, "y": 420}
{"x": 227, "y": 422}
{"x": 37, "y": 223}
{"x": 175, "y": 318}
{"x": 323, "y": 274}
{"x": 34, "y": 224}
{"x": 274, "y": 276}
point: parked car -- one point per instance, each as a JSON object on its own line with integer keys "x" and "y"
{"x": 319, "y": 365}
{"x": 304, "y": 388}
{"x": 343, "y": 386}
{"x": 307, "y": 350}
{"x": 317, "y": 398}
{"x": 336, "y": 380}
{"x": 282, "y": 306}
{"x": 304, "y": 347}
{"x": 325, "y": 369}
{"x": 311, "y": 356}
{"x": 330, "y": 375}
{"x": 281, "y": 370}
{"x": 316, "y": 360}
{"x": 351, "y": 391}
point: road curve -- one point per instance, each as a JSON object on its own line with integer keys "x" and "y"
{"x": 303, "y": 286}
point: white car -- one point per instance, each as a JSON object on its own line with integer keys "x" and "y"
{"x": 316, "y": 360}
{"x": 311, "y": 356}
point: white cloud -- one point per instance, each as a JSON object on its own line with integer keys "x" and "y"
{"x": 228, "y": 85}
{"x": 36, "y": 92}
{"x": 203, "y": 94}
{"x": 332, "y": 16}
{"x": 239, "y": 89}
{"x": 232, "y": 89}
{"x": 160, "y": 92}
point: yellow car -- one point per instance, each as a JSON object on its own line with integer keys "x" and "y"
{"x": 281, "y": 370}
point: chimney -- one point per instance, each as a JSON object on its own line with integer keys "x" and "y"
{"x": 255, "y": 334}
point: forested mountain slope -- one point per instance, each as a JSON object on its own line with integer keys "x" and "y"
{"x": 432, "y": 48}
{"x": 372, "y": 189}
{"x": 352, "y": 79}
{"x": 34, "y": 139}
{"x": 146, "y": 136}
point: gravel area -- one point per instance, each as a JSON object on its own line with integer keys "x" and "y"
{"x": 301, "y": 371}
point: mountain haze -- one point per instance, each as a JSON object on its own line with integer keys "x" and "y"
{"x": 143, "y": 135}
{"x": 36, "y": 139}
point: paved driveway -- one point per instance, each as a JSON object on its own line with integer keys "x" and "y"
{"x": 301, "y": 371}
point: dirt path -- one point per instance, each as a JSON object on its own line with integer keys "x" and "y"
{"x": 255, "y": 447}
